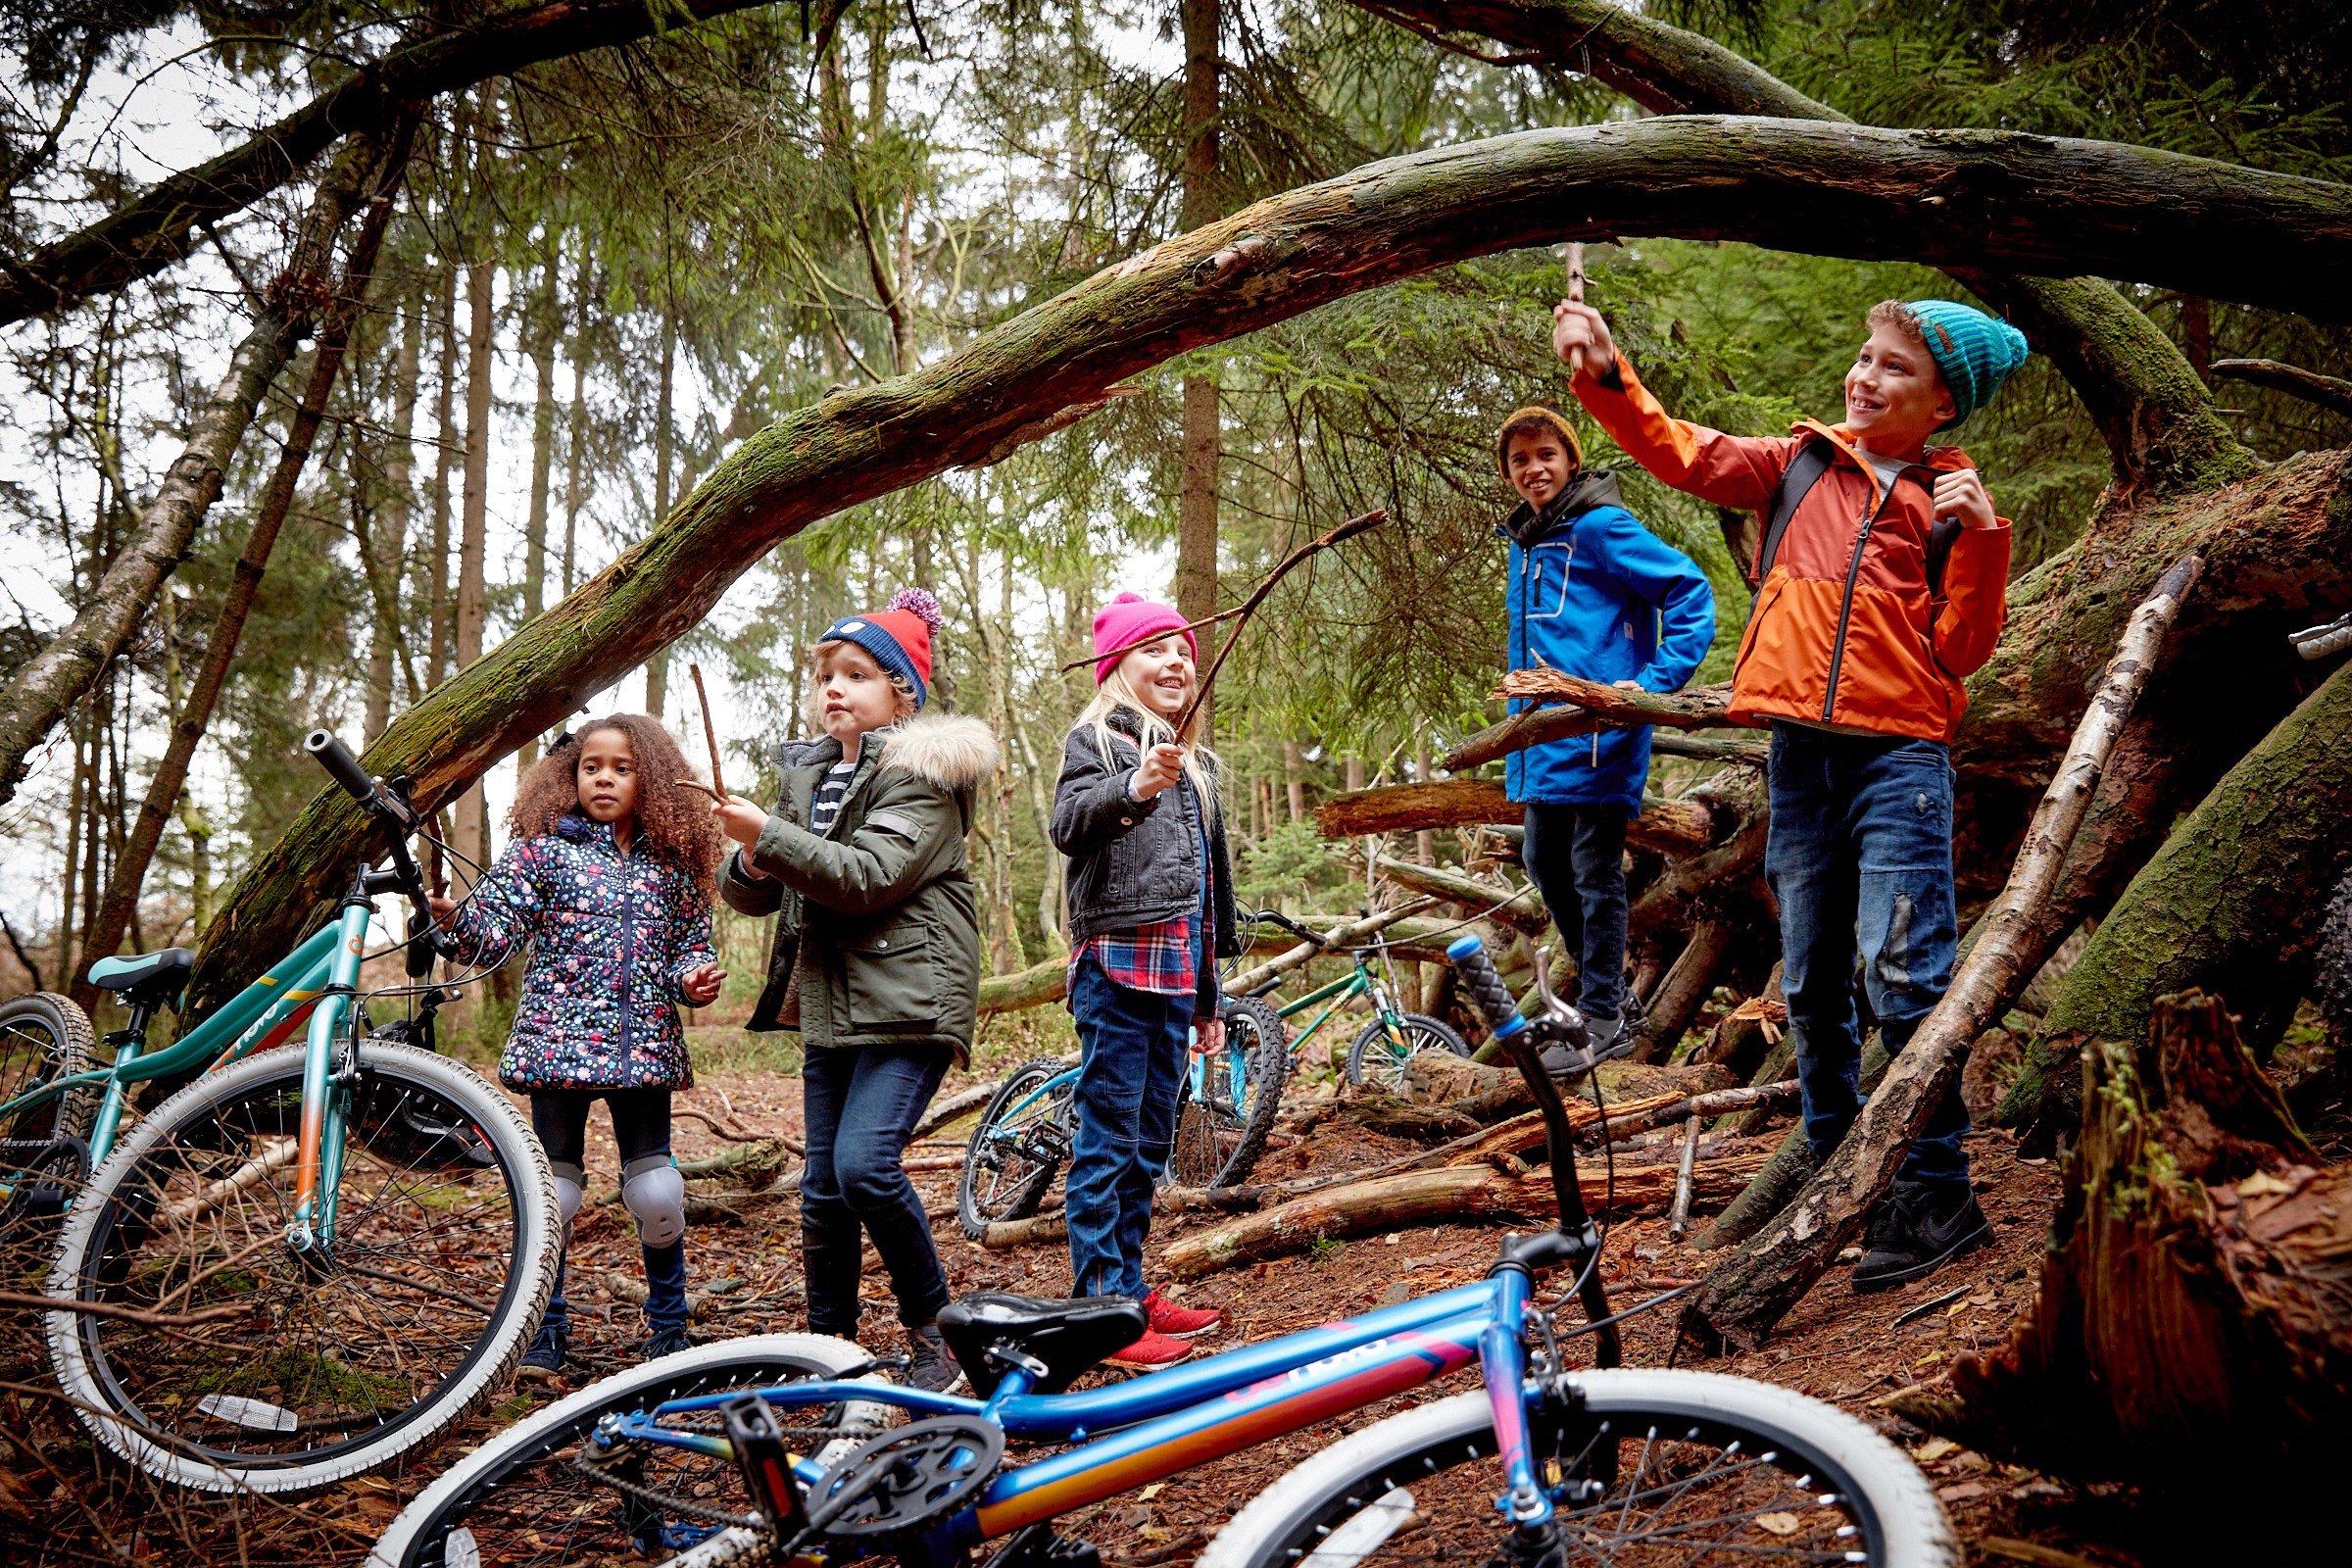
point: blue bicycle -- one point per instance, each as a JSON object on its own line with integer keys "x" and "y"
{"x": 793, "y": 1448}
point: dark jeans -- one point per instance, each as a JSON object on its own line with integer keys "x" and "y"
{"x": 1861, "y": 861}
{"x": 862, "y": 1106}
{"x": 1131, "y": 1064}
{"x": 559, "y": 1116}
{"x": 1575, "y": 855}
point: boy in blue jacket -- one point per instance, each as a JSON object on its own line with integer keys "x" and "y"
{"x": 1592, "y": 594}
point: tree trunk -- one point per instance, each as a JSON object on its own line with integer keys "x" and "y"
{"x": 391, "y": 531}
{"x": 1685, "y": 990}
{"x": 575, "y": 442}
{"x": 1197, "y": 485}
{"x": 1750, "y": 1292}
{"x": 473, "y": 838}
{"x": 38, "y": 694}
{"x": 1671, "y": 827}
{"x": 2192, "y": 1299}
{"x": 2226, "y": 903}
{"x": 2128, "y": 211}
{"x": 2150, "y": 407}
{"x": 657, "y": 668}
{"x": 543, "y": 457}
{"x": 119, "y": 911}
{"x": 158, "y": 228}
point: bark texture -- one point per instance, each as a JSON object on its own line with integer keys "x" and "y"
{"x": 158, "y": 228}
{"x": 55, "y": 678}
{"x": 2008, "y": 199}
{"x": 1673, "y": 828}
{"x": 2192, "y": 1300}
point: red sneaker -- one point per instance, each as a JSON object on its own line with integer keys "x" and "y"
{"x": 1179, "y": 1322}
{"x": 1151, "y": 1353}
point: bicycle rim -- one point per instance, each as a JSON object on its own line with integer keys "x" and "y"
{"x": 274, "y": 1369}
{"x": 520, "y": 1501}
{"x": 1383, "y": 1049}
{"x": 1692, "y": 1469}
{"x": 1020, "y": 1146}
{"x": 43, "y": 1037}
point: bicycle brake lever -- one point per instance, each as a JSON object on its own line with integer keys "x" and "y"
{"x": 1560, "y": 1021}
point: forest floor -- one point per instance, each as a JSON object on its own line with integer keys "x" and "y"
{"x": 61, "y": 1503}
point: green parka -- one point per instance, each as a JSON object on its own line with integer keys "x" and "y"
{"x": 876, "y": 919}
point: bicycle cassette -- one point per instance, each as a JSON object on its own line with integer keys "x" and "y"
{"x": 909, "y": 1477}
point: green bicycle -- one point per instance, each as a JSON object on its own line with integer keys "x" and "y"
{"x": 312, "y": 1258}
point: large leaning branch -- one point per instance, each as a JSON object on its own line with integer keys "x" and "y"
{"x": 158, "y": 226}
{"x": 1750, "y": 1291}
{"x": 2154, "y": 414}
{"x": 2026, "y": 201}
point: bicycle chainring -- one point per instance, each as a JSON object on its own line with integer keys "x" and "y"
{"x": 911, "y": 1477}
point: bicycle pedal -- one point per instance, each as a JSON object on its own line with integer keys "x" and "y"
{"x": 1038, "y": 1546}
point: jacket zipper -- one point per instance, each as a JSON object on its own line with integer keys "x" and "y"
{"x": 628, "y": 953}
{"x": 1845, "y": 609}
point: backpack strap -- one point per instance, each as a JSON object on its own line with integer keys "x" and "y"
{"x": 1941, "y": 536}
{"x": 1804, "y": 471}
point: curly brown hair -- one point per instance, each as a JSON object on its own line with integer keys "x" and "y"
{"x": 675, "y": 824}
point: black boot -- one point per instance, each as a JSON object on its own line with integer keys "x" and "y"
{"x": 930, "y": 1364}
{"x": 552, "y": 1342}
{"x": 665, "y": 1300}
{"x": 1917, "y": 1231}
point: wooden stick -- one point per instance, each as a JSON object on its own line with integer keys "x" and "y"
{"x": 696, "y": 785}
{"x": 1576, "y": 296}
{"x": 1150, "y": 637}
{"x": 1678, "y": 1217}
{"x": 718, "y": 785}
{"x": 1258, "y": 595}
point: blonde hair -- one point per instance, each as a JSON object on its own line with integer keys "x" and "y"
{"x": 1116, "y": 692}
{"x": 815, "y": 709}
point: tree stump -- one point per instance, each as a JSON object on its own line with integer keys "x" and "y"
{"x": 2194, "y": 1323}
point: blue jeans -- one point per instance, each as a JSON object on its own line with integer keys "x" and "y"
{"x": 1575, "y": 855}
{"x": 861, "y": 1105}
{"x": 1861, "y": 861}
{"x": 1131, "y": 1064}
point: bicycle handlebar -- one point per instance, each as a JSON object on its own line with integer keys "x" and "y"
{"x": 340, "y": 765}
{"x": 390, "y": 809}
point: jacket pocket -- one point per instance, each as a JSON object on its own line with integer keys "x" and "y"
{"x": 1769, "y": 596}
{"x": 891, "y": 979}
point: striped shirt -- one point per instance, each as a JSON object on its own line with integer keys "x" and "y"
{"x": 825, "y": 805}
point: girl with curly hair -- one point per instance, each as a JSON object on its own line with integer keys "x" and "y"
{"x": 609, "y": 881}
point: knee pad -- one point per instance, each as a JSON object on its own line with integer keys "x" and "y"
{"x": 568, "y": 1196}
{"x": 655, "y": 1195}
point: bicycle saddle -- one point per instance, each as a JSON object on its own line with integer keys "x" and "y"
{"x": 1070, "y": 1336}
{"x": 146, "y": 979}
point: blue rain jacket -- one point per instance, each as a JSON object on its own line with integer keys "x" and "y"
{"x": 1594, "y": 594}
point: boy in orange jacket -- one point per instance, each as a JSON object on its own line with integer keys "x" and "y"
{"x": 1880, "y": 584}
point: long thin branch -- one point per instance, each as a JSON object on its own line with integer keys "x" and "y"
{"x": 2327, "y": 391}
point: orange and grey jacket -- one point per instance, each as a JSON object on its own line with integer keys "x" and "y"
{"x": 1847, "y": 629}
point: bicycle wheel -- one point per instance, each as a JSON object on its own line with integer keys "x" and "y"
{"x": 275, "y": 1371}
{"x": 1222, "y": 1134}
{"x": 43, "y": 1161}
{"x": 1693, "y": 1468}
{"x": 1380, "y": 1054}
{"x": 520, "y": 1500}
{"x": 1020, "y": 1144}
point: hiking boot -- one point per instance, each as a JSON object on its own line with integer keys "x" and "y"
{"x": 1601, "y": 1034}
{"x": 1179, "y": 1322}
{"x": 930, "y": 1365}
{"x": 1151, "y": 1353}
{"x": 663, "y": 1341}
{"x": 545, "y": 1359}
{"x": 1916, "y": 1232}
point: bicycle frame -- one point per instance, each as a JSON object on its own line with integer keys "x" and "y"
{"x": 1166, "y": 1422}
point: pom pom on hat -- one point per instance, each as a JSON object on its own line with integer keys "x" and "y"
{"x": 1128, "y": 620}
{"x": 1975, "y": 352}
{"x": 899, "y": 636}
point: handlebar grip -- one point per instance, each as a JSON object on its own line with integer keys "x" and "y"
{"x": 1470, "y": 960}
{"x": 340, "y": 765}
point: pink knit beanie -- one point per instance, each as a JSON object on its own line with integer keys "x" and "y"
{"x": 1129, "y": 619}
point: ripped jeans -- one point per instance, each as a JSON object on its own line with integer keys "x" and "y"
{"x": 1860, "y": 859}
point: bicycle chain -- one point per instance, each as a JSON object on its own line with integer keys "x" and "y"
{"x": 655, "y": 1498}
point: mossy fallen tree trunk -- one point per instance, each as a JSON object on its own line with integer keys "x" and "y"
{"x": 2231, "y": 902}
{"x": 1671, "y": 827}
{"x": 2193, "y": 1309}
{"x": 2003, "y": 198}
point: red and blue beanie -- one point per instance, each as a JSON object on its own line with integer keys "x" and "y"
{"x": 1127, "y": 620}
{"x": 899, "y": 637}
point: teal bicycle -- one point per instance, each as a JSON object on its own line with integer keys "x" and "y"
{"x": 316, "y": 1255}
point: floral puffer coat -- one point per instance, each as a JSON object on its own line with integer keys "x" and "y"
{"x": 610, "y": 935}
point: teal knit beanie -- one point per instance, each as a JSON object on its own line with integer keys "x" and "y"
{"x": 1975, "y": 352}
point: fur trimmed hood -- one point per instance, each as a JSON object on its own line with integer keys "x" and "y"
{"x": 953, "y": 751}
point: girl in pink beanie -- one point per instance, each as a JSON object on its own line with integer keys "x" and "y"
{"x": 1150, "y": 894}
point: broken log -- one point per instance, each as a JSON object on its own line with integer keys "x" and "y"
{"x": 1750, "y": 1292}
{"x": 2192, "y": 1298}
{"x": 1744, "y": 1036}
{"x": 1451, "y": 1195}
{"x": 1335, "y": 940}
{"x": 1526, "y": 1131}
{"x": 1563, "y": 716}
{"x": 1685, "y": 989}
{"x": 2327, "y": 391}
{"x": 2226, "y": 904}
{"x": 1032, "y": 987}
{"x": 1746, "y": 750}
{"x": 1521, "y": 908}
{"x": 1671, "y": 827}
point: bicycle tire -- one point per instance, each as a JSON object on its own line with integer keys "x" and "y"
{"x": 1423, "y": 1034}
{"x": 1269, "y": 1071}
{"x": 1881, "y": 1496}
{"x": 418, "y": 1535}
{"x": 104, "y": 1364}
{"x": 2332, "y": 989}
{"x": 69, "y": 1041}
{"x": 977, "y": 1211}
